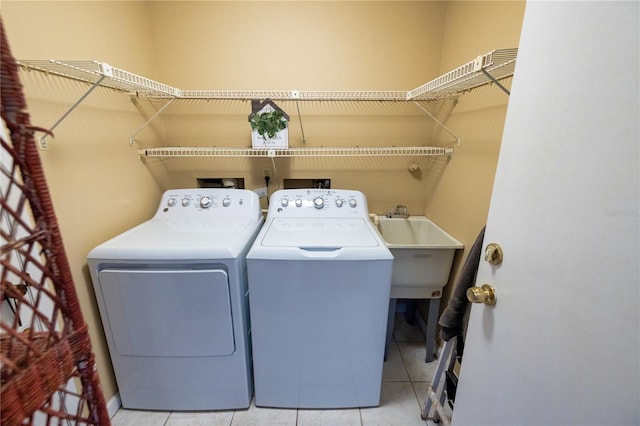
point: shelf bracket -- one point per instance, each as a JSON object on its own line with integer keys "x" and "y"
{"x": 43, "y": 140}
{"x": 440, "y": 123}
{"x": 304, "y": 139}
{"x": 496, "y": 82}
{"x": 153, "y": 117}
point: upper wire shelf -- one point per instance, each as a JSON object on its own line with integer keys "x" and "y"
{"x": 484, "y": 69}
{"x": 107, "y": 76}
{"x": 487, "y": 68}
{"x": 295, "y": 95}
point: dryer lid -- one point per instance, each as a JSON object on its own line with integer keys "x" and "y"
{"x": 186, "y": 239}
{"x": 314, "y": 232}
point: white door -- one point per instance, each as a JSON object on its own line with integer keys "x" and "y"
{"x": 561, "y": 346}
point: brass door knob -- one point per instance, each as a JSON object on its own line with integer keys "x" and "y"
{"x": 485, "y": 294}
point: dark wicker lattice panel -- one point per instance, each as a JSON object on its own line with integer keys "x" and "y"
{"x": 47, "y": 369}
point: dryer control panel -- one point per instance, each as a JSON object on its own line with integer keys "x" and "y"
{"x": 200, "y": 201}
{"x": 318, "y": 203}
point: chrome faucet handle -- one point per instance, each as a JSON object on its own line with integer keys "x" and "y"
{"x": 402, "y": 210}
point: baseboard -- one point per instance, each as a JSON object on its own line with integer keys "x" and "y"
{"x": 113, "y": 405}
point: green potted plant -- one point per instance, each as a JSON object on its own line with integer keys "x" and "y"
{"x": 268, "y": 123}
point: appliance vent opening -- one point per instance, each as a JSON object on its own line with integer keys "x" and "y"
{"x": 237, "y": 183}
{"x": 318, "y": 183}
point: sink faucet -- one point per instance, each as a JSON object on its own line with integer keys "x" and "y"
{"x": 400, "y": 212}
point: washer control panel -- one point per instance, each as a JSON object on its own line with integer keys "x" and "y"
{"x": 318, "y": 202}
{"x": 182, "y": 202}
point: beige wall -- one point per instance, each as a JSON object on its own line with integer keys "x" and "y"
{"x": 101, "y": 188}
{"x": 304, "y": 46}
{"x": 459, "y": 201}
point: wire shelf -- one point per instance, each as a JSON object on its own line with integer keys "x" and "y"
{"x": 485, "y": 69}
{"x": 498, "y": 63}
{"x": 93, "y": 72}
{"x": 171, "y": 152}
{"x": 295, "y": 95}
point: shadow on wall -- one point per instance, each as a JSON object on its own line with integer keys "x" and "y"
{"x": 435, "y": 170}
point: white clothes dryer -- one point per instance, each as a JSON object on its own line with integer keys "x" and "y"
{"x": 319, "y": 285}
{"x": 172, "y": 295}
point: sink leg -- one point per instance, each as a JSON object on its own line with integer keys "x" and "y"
{"x": 390, "y": 321}
{"x": 432, "y": 323}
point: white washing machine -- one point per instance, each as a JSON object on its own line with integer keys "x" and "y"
{"x": 319, "y": 284}
{"x": 172, "y": 295}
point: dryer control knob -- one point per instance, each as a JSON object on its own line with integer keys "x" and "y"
{"x": 339, "y": 202}
{"x": 171, "y": 202}
{"x": 298, "y": 202}
{"x": 226, "y": 202}
{"x": 318, "y": 202}
{"x": 205, "y": 202}
{"x": 185, "y": 202}
{"x": 353, "y": 203}
{"x": 284, "y": 202}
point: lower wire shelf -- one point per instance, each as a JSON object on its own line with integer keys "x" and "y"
{"x": 415, "y": 151}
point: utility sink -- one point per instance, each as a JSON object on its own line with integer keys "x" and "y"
{"x": 423, "y": 254}
{"x": 422, "y": 259}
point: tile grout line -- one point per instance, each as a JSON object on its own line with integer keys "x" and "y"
{"x": 411, "y": 381}
{"x": 413, "y": 389}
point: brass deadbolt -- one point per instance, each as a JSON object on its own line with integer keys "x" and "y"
{"x": 485, "y": 294}
{"x": 493, "y": 253}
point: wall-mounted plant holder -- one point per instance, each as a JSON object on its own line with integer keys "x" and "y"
{"x": 269, "y": 124}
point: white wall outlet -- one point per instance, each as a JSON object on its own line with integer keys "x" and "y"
{"x": 44, "y": 145}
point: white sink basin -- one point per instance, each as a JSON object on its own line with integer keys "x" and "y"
{"x": 423, "y": 254}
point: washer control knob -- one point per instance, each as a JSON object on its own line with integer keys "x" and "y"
{"x": 226, "y": 202}
{"x": 298, "y": 202}
{"x": 353, "y": 203}
{"x": 318, "y": 202}
{"x": 171, "y": 202}
{"x": 284, "y": 202}
{"x": 339, "y": 202}
{"x": 185, "y": 202}
{"x": 205, "y": 202}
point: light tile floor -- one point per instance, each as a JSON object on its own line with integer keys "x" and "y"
{"x": 405, "y": 378}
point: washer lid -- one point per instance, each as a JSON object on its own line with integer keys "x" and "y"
{"x": 314, "y": 232}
